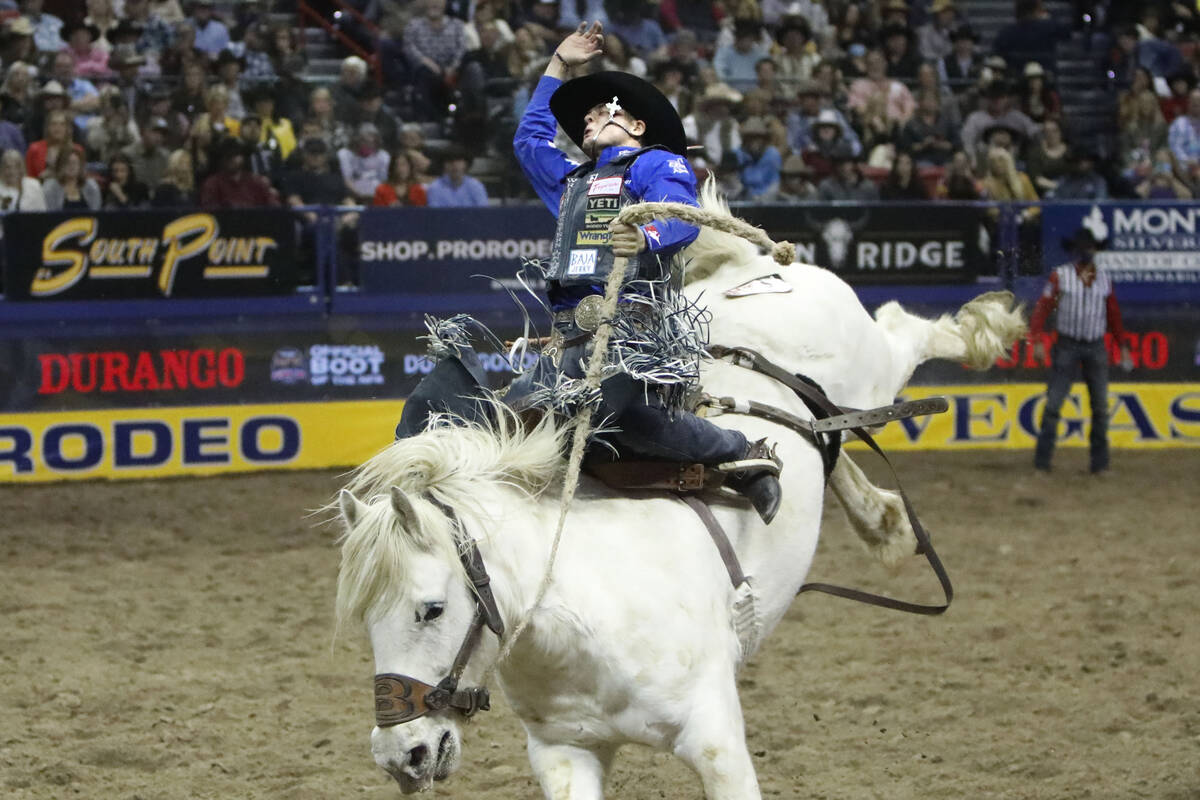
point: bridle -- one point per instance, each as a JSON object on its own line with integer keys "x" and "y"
{"x": 401, "y": 698}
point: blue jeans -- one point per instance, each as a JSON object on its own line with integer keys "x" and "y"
{"x": 1093, "y": 357}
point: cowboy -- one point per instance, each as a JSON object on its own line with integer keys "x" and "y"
{"x": 1086, "y": 308}
{"x": 637, "y": 147}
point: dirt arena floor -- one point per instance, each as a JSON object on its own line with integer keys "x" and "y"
{"x": 173, "y": 640}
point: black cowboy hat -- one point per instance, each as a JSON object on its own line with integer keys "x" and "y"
{"x": 1083, "y": 237}
{"x": 71, "y": 27}
{"x": 660, "y": 68}
{"x": 792, "y": 22}
{"x": 571, "y": 102}
{"x": 126, "y": 29}
{"x": 227, "y": 56}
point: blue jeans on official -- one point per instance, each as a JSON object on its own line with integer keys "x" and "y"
{"x": 1068, "y": 355}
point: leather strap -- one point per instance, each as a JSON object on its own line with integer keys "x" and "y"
{"x": 472, "y": 561}
{"x": 720, "y": 539}
{"x": 669, "y": 475}
{"x": 753, "y": 360}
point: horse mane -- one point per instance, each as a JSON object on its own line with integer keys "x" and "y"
{"x": 713, "y": 249}
{"x": 454, "y": 463}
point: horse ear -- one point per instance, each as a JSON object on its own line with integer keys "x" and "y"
{"x": 349, "y": 505}
{"x": 404, "y": 508}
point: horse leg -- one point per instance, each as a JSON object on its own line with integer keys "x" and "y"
{"x": 713, "y": 743}
{"x": 567, "y": 772}
{"x": 877, "y": 515}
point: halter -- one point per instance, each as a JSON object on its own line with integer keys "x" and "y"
{"x": 401, "y": 698}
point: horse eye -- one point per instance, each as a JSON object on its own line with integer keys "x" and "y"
{"x": 433, "y": 611}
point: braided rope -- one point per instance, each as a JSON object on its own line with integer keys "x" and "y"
{"x": 784, "y": 253}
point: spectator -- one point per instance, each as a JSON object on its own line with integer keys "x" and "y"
{"x": 881, "y": 103}
{"x": 123, "y": 189}
{"x": 712, "y": 125}
{"x": 435, "y": 45}
{"x": 670, "y": 78}
{"x": 167, "y": 10}
{"x": 1038, "y": 100}
{"x": 813, "y": 97}
{"x": 211, "y": 34}
{"x": 82, "y": 94}
{"x": 1141, "y": 85}
{"x": 1159, "y": 179}
{"x": 684, "y": 46}
{"x": 1047, "y": 158}
{"x": 853, "y": 29}
{"x": 155, "y": 34}
{"x": 125, "y": 61}
{"x": 826, "y": 143}
{"x": 412, "y": 144}
{"x": 232, "y": 186}
{"x": 189, "y": 98}
{"x": 847, "y": 182}
{"x": 997, "y": 110}
{"x": 364, "y": 165}
{"x": 104, "y": 19}
{"x": 758, "y": 162}
{"x": 1141, "y": 129}
{"x": 16, "y": 103}
{"x": 148, "y": 158}
{"x": 735, "y": 62}
{"x": 903, "y": 182}
{"x": 401, "y": 187}
{"x": 642, "y": 35}
{"x": 1154, "y": 53}
{"x": 228, "y": 68}
{"x": 795, "y": 181}
{"x": 620, "y": 57}
{"x": 91, "y": 60}
{"x": 898, "y": 50}
{"x": 1004, "y": 182}
{"x": 486, "y": 15}
{"x": 16, "y": 41}
{"x": 795, "y": 60}
{"x": 960, "y": 69}
{"x": 928, "y": 82}
{"x": 216, "y": 112}
{"x": 70, "y": 187}
{"x": 569, "y": 14}
{"x": 766, "y": 78}
{"x": 893, "y": 12}
{"x": 257, "y": 64}
{"x": 43, "y": 154}
{"x": 11, "y": 137}
{"x": 1184, "y": 137}
{"x": 929, "y": 136}
{"x": 1082, "y": 182}
{"x": 113, "y": 130}
{"x": 370, "y": 109}
{"x": 351, "y": 76}
{"x": 277, "y": 132}
{"x": 289, "y": 62}
{"x": 934, "y": 38}
{"x": 262, "y": 158}
{"x": 47, "y": 28}
{"x": 455, "y": 188}
{"x": 18, "y": 191}
{"x": 1180, "y": 84}
{"x": 959, "y": 182}
{"x": 182, "y": 51}
{"x": 756, "y": 104}
{"x": 50, "y": 98}
{"x": 178, "y": 186}
{"x": 1086, "y": 308}
{"x": 1033, "y": 37}
{"x": 333, "y": 130}
{"x": 314, "y": 184}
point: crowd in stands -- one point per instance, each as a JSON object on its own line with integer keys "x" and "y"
{"x": 150, "y": 103}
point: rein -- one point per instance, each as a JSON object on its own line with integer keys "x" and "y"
{"x": 753, "y": 360}
{"x": 401, "y": 698}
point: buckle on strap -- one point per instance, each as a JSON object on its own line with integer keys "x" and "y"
{"x": 879, "y": 416}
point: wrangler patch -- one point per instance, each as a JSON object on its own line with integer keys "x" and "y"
{"x": 593, "y": 238}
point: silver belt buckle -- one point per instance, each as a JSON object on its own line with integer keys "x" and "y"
{"x": 588, "y": 313}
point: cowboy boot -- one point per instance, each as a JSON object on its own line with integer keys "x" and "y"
{"x": 756, "y": 477}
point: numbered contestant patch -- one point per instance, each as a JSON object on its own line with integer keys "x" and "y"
{"x": 583, "y": 262}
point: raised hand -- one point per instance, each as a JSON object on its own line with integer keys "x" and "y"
{"x": 582, "y": 46}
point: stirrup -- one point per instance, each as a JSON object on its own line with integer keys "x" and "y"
{"x": 760, "y": 457}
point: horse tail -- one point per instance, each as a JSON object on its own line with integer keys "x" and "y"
{"x": 983, "y": 330}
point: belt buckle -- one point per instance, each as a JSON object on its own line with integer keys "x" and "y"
{"x": 588, "y": 313}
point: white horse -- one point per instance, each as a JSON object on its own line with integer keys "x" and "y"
{"x": 634, "y": 640}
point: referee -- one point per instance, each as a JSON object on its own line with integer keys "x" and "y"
{"x": 1087, "y": 307}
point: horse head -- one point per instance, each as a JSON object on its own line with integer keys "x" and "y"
{"x": 401, "y": 576}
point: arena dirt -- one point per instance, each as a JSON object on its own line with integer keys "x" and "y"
{"x": 173, "y": 640}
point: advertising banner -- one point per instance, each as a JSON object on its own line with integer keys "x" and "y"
{"x": 149, "y": 254}
{"x": 474, "y": 251}
{"x": 882, "y": 243}
{"x": 1147, "y": 243}
{"x": 210, "y": 440}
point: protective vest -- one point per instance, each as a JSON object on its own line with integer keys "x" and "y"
{"x": 581, "y": 254}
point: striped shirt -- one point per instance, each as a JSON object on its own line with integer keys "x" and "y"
{"x": 1085, "y": 310}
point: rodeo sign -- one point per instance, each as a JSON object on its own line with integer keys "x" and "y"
{"x": 1146, "y": 243}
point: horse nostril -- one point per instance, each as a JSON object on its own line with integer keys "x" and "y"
{"x": 417, "y": 755}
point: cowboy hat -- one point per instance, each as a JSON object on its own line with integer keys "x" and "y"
{"x": 795, "y": 165}
{"x": 19, "y": 26}
{"x": 69, "y": 30}
{"x": 753, "y": 127}
{"x": 720, "y": 93}
{"x": 124, "y": 55}
{"x": 1034, "y": 70}
{"x": 575, "y": 98}
{"x": 829, "y": 117}
{"x": 938, "y": 6}
{"x": 1083, "y": 237}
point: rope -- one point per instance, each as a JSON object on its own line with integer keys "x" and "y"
{"x": 783, "y": 253}
{"x": 583, "y": 428}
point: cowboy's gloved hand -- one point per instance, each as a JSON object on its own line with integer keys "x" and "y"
{"x": 627, "y": 240}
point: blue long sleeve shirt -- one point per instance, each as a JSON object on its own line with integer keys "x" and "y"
{"x": 656, "y": 176}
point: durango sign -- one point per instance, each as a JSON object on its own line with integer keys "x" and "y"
{"x": 140, "y": 254}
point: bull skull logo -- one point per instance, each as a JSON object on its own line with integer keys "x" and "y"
{"x": 838, "y": 234}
